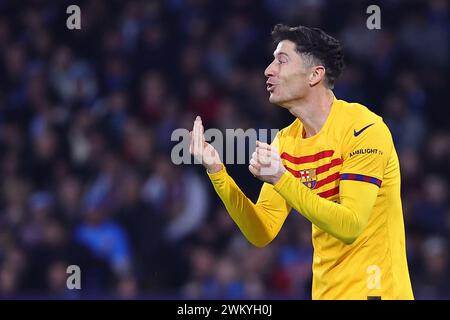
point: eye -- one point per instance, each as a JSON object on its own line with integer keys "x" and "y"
{"x": 282, "y": 60}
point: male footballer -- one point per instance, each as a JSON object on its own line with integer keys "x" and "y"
{"x": 336, "y": 164}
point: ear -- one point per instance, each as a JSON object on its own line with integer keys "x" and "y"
{"x": 317, "y": 74}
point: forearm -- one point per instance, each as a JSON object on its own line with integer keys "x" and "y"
{"x": 345, "y": 220}
{"x": 257, "y": 224}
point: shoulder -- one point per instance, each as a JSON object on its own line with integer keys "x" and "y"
{"x": 362, "y": 131}
{"x": 352, "y": 113}
{"x": 356, "y": 120}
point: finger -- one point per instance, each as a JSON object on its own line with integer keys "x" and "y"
{"x": 194, "y": 135}
{"x": 263, "y": 156}
{"x": 201, "y": 139}
{"x": 191, "y": 143}
{"x": 193, "y": 128}
{"x": 202, "y": 134}
{"x": 255, "y": 159}
{"x": 260, "y": 158}
{"x": 262, "y": 145}
{"x": 197, "y": 132}
{"x": 263, "y": 152}
{"x": 253, "y": 170}
{"x": 255, "y": 164}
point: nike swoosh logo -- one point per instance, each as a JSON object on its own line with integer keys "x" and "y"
{"x": 357, "y": 133}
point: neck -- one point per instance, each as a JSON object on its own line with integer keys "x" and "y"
{"x": 312, "y": 110}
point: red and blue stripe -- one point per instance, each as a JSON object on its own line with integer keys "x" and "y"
{"x": 360, "y": 177}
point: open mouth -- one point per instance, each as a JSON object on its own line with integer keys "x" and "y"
{"x": 270, "y": 87}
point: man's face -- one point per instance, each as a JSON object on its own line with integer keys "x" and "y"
{"x": 288, "y": 77}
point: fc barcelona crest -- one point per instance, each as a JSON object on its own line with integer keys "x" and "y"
{"x": 309, "y": 177}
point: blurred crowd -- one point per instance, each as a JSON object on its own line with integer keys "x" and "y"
{"x": 86, "y": 118}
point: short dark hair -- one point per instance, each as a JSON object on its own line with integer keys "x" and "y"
{"x": 314, "y": 42}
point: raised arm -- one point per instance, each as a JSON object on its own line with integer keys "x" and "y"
{"x": 361, "y": 178}
{"x": 260, "y": 222}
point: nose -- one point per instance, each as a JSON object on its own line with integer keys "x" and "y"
{"x": 270, "y": 71}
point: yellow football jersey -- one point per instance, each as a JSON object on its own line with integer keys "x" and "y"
{"x": 346, "y": 181}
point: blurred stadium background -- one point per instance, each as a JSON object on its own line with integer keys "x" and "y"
{"x": 86, "y": 118}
